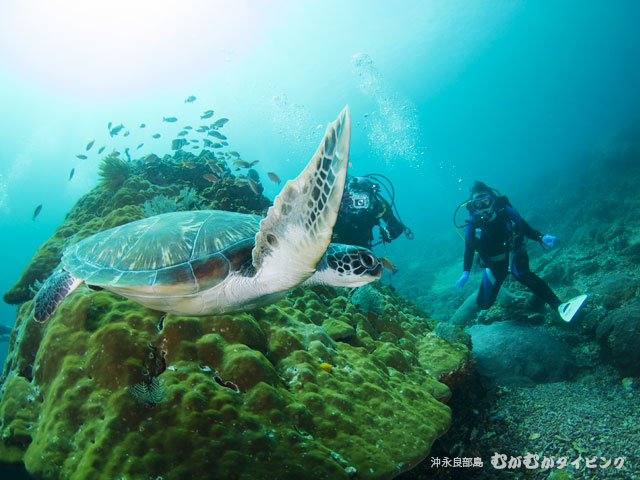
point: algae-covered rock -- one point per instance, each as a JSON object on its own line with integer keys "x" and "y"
{"x": 251, "y": 395}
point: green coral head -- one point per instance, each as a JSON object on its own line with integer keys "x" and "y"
{"x": 346, "y": 266}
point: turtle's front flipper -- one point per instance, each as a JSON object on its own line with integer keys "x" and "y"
{"x": 298, "y": 227}
{"x": 53, "y": 291}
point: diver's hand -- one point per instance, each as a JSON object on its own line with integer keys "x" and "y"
{"x": 549, "y": 240}
{"x": 462, "y": 281}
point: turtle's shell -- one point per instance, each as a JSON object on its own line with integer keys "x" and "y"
{"x": 173, "y": 253}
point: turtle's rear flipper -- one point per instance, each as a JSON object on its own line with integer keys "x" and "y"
{"x": 53, "y": 291}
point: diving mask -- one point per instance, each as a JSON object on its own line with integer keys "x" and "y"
{"x": 482, "y": 203}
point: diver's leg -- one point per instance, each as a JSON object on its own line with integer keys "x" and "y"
{"x": 520, "y": 269}
{"x": 492, "y": 279}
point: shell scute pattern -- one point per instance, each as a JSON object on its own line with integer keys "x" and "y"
{"x": 178, "y": 252}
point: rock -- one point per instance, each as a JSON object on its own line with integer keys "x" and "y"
{"x": 467, "y": 312}
{"x": 616, "y": 289}
{"x": 619, "y": 335}
{"x": 509, "y": 354}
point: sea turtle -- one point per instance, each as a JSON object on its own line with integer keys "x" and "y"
{"x": 209, "y": 261}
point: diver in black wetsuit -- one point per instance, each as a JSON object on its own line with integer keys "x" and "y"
{"x": 362, "y": 208}
{"x": 498, "y": 233}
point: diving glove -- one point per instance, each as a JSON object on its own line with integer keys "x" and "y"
{"x": 549, "y": 240}
{"x": 462, "y": 281}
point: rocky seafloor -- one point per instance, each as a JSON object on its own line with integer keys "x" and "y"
{"x": 579, "y": 399}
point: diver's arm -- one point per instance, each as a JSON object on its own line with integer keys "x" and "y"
{"x": 394, "y": 226}
{"x": 524, "y": 227}
{"x": 469, "y": 249}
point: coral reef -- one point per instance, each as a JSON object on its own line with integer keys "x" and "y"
{"x": 109, "y": 389}
{"x": 311, "y": 386}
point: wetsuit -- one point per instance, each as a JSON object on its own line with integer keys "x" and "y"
{"x": 500, "y": 243}
{"x": 355, "y": 226}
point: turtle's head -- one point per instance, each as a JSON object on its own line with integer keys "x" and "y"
{"x": 346, "y": 266}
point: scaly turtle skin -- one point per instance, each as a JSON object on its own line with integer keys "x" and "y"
{"x": 208, "y": 261}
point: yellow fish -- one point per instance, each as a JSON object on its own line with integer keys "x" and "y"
{"x": 327, "y": 367}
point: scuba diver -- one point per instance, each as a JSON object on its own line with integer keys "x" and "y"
{"x": 498, "y": 233}
{"x": 363, "y": 207}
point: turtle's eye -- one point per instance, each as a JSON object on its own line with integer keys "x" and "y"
{"x": 368, "y": 259}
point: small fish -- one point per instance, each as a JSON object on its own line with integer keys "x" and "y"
{"x": 215, "y": 168}
{"x": 126, "y": 134}
{"x": 241, "y": 182}
{"x": 215, "y": 133}
{"x": 386, "y": 263}
{"x": 109, "y": 126}
{"x": 253, "y": 185}
{"x": 183, "y": 133}
{"x": 195, "y": 147}
{"x": 194, "y": 140}
{"x": 273, "y": 177}
{"x": 224, "y": 143}
{"x": 207, "y": 114}
{"x": 202, "y": 129}
{"x": 189, "y": 164}
{"x": 36, "y": 212}
{"x": 190, "y": 99}
{"x": 116, "y": 130}
{"x": 241, "y": 163}
{"x": 155, "y": 135}
{"x": 139, "y": 146}
{"x": 254, "y": 163}
{"x": 81, "y": 156}
{"x": 114, "y": 153}
{"x": 216, "y": 145}
{"x": 207, "y": 142}
{"x": 169, "y": 119}
{"x": 219, "y": 123}
{"x": 89, "y": 145}
{"x": 73, "y": 170}
{"x": 327, "y": 367}
{"x": 142, "y": 125}
{"x": 211, "y": 177}
{"x": 101, "y": 149}
{"x": 188, "y": 127}
{"x": 235, "y": 154}
{"x": 253, "y": 175}
{"x": 178, "y": 143}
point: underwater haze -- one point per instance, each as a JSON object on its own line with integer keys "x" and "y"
{"x": 441, "y": 93}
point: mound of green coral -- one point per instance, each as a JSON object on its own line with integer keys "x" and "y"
{"x": 309, "y": 387}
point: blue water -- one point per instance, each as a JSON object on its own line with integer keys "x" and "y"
{"x": 441, "y": 93}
